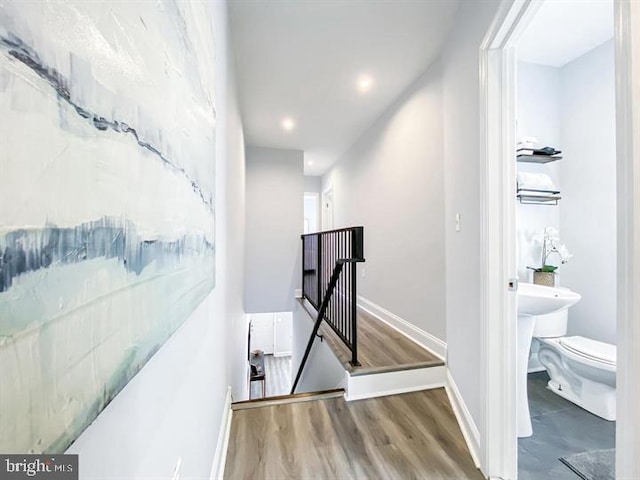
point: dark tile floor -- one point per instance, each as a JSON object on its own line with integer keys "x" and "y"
{"x": 560, "y": 428}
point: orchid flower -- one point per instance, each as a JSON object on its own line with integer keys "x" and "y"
{"x": 551, "y": 244}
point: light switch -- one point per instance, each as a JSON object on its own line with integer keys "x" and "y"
{"x": 457, "y": 222}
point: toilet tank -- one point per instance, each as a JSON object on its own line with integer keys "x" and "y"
{"x": 551, "y": 324}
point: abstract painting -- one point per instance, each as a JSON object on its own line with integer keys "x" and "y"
{"x": 107, "y": 221}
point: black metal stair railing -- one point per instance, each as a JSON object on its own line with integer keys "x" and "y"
{"x": 329, "y": 284}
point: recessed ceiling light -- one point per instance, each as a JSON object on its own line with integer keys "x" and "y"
{"x": 288, "y": 124}
{"x": 364, "y": 83}
{"x": 309, "y": 162}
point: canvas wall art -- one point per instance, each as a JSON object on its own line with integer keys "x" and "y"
{"x": 107, "y": 219}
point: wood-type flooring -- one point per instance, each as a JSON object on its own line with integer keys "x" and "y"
{"x": 407, "y": 436}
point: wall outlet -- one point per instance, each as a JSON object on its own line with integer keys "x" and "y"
{"x": 364, "y": 272}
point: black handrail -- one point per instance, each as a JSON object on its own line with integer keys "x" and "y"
{"x": 324, "y": 255}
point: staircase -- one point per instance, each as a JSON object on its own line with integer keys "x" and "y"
{"x": 287, "y": 399}
{"x": 377, "y": 359}
{"x": 403, "y": 424}
{"x": 389, "y": 361}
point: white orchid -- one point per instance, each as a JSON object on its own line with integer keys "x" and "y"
{"x": 564, "y": 253}
{"x": 551, "y": 244}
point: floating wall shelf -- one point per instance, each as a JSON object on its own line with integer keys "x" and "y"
{"x": 538, "y": 197}
{"x": 537, "y": 158}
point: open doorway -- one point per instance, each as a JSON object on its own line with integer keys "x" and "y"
{"x": 269, "y": 355}
{"x": 311, "y": 212}
{"x": 566, "y": 240}
{"x": 499, "y": 284}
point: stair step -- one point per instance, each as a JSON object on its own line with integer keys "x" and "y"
{"x": 381, "y": 347}
{"x": 393, "y": 382}
{"x": 395, "y": 368}
{"x": 285, "y": 399}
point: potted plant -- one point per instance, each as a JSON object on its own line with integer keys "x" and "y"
{"x": 546, "y": 273}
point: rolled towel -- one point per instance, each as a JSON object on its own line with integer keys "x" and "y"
{"x": 535, "y": 181}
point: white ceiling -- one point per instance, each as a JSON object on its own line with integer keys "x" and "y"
{"x": 563, "y": 30}
{"x": 302, "y": 58}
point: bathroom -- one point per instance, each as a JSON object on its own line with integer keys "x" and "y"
{"x": 566, "y": 205}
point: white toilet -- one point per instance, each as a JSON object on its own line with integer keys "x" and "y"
{"x": 582, "y": 370}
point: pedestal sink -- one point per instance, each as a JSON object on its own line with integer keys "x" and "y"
{"x": 534, "y": 300}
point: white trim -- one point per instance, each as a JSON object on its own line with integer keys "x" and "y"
{"x": 498, "y": 446}
{"x": 627, "y": 45}
{"x": 220, "y": 457}
{"x": 393, "y": 383}
{"x": 422, "y": 338}
{"x": 469, "y": 428}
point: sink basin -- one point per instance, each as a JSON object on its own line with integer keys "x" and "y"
{"x": 534, "y": 300}
{"x": 540, "y": 300}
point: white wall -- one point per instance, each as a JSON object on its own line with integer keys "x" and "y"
{"x": 313, "y": 186}
{"x": 274, "y": 222}
{"x": 588, "y": 210}
{"x": 234, "y": 219}
{"x": 391, "y": 182}
{"x": 561, "y": 108}
{"x": 539, "y": 116}
{"x": 173, "y": 407}
{"x": 322, "y": 371}
{"x": 312, "y": 183}
{"x": 462, "y": 192}
{"x": 423, "y": 150}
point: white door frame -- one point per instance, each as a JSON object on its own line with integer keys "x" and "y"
{"x": 627, "y": 44}
{"x": 497, "y": 176}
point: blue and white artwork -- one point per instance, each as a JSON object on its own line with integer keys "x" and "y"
{"x": 107, "y": 156}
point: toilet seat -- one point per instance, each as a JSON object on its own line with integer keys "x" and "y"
{"x": 590, "y": 349}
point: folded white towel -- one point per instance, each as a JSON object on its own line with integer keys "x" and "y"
{"x": 535, "y": 181}
{"x": 527, "y": 142}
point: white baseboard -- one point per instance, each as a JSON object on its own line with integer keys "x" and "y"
{"x": 220, "y": 458}
{"x": 393, "y": 383}
{"x": 469, "y": 429}
{"x": 425, "y": 339}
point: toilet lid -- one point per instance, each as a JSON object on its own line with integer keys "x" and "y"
{"x": 592, "y": 349}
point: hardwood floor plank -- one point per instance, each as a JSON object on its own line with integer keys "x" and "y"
{"x": 413, "y": 435}
{"x": 380, "y": 347}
